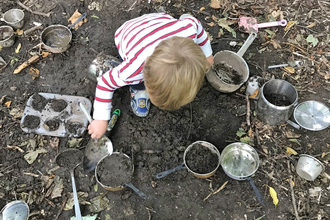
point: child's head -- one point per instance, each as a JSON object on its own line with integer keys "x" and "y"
{"x": 174, "y": 73}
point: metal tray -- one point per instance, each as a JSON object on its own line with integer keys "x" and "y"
{"x": 70, "y": 122}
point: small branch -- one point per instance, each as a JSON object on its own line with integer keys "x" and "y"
{"x": 215, "y": 192}
{"x": 292, "y": 193}
{"x": 248, "y": 110}
{"x": 28, "y": 31}
{"x": 33, "y": 12}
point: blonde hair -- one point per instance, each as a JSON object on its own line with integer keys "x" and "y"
{"x": 174, "y": 73}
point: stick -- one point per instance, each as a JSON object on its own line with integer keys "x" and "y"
{"x": 248, "y": 110}
{"x": 33, "y": 12}
{"x": 292, "y": 193}
{"x": 28, "y": 31}
{"x": 27, "y": 63}
{"x": 215, "y": 192}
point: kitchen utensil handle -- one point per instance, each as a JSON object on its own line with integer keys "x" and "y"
{"x": 166, "y": 172}
{"x": 282, "y": 23}
{"x": 136, "y": 190}
{"x": 84, "y": 110}
{"x": 75, "y": 197}
{"x": 79, "y": 19}
{"x": 256, "y": 191}
{"x": 295, "y": 125}
{"x": 246, "y": 44}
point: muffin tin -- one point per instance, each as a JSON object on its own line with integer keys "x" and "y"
{"x": 58, "y": 115}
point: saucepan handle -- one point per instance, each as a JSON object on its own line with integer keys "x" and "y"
{"x": 136, "y": 190}
{"x": 293, "y": 124}
{"x": 256, "y": 191}
{"x": 165, "y": 173}
{"x": 246, "y": 44}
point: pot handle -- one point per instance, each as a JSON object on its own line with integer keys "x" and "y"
{"x": 295, "y": 125}
{"x": 256, "y": 191}
{"x": 165, "y": 173}
{"x": 136, "y": 190}
{"x": 246, "y": 44}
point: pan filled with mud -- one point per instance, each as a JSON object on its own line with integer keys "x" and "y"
{"x": 55, "y": 115}
{"x": 201, "y": 158}
{"x": 114, "y": 172}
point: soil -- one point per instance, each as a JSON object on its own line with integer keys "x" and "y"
{"x": 58, "y": 105}
{"x": 52, "y": 125}
{"x": 39, "y": 102}
{"x": 69, "y": 159}
{"x": 74, "y": 127}
{"x": 228, "y": 74}
{"x": 278, "y": 99}
{"x": 157, "y": 142}
{"x": 114, "y": 170}
{"x": 201, "y": 159}
{"x": 31, "y": 122}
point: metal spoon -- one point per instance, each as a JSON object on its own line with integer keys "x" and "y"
{"x": 17, "y": 210}
{"x": 70, "y": 159}
{"x": 97, "y": 148}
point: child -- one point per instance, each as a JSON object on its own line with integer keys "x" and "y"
{"x": 171, "y": 56}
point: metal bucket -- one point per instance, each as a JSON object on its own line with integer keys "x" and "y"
{"x": 272, "y": 111}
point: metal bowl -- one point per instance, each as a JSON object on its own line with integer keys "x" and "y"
{"x": 239, "y": 160}
{"x": 7, "y": 36}
{"x": 312, "y": 115}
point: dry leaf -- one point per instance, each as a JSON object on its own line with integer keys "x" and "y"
{"x": 211, "y": 24}
{"x": 289, "y": 69}
{"x": 202, "y": 8}
{"x": 34, "y": 72}
{"x": 74, "y": 18}
{"x": 254, "y": 94}
{"x": 278, "y": 14}
{"x": 290, "y": 25}
{"x": 19, "y": 32}
{"x": 273, "y": 194}
{"x": 289, "y": 182}
{"x": 311, "y": 25}
{"x": 250, "y": 132}
{"x": 18, "y": 48}
{"x": 290, "y": 151}
{"x": 214, "y": 18}
{"x": 275, "y": 44}
{"x": 215, "y": 4}
{"x": 295, "y": 141}
{"x": 45, "y": 54}
{"x": 7, "y": 104}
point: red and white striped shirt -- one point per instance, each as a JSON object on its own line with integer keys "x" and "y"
{"x": 136, "y": 40}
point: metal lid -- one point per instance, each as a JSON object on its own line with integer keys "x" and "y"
{"x": 312, "y": 115}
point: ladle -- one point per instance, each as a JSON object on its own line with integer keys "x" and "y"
{"x": 96, "y": 148}
{"x": 17, "y": 210}
{"x": 70, "y": 159}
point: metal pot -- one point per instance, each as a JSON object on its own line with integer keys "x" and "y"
{"x": 233, "y": 60}
{"x": 272, "y": 113}
{"x": 123, "y": 185}
{"x": 7, "y": 36}
{"x": 14, "y": 17}
{"x": 309, "y": 167}
{"x": 240, "y": 161}
{"x": 184, "y": 165}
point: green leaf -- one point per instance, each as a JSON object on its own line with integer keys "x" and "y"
{"x": 94, "y": 16}
{"x": 295, "y": 141}
{"x": 240, "y": 132}
{"x": 96, "y": 187}
{"x": 245, "y": 140}
{"x": 270, "y": 33}
{"x": 312, "y": 39}
{"x": 224, "y": 24}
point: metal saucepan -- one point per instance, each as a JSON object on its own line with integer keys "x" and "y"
{"x": 15, "y": 210}
{"x": 57, "y": 38}
{"x": 14, "y": 17}
{"x": 197, "y": 144}
{"x": 7, "y": 36}
{"x": 233, "y": 61}
{"x": 240, "y": 161}
{"x": 118, "y": 174}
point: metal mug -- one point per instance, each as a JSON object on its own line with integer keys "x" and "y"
{"x": 271, "y": 113}
{"x": 14, "y": 17}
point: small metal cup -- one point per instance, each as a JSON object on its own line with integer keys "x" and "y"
{"x": 7, "y": 36}
{"x": 14, "y": 17}
{"x": 309, "y": 167}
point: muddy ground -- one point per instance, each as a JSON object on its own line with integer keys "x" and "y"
{"x": 157, "y": 142}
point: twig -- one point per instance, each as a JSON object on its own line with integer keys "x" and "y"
{"x": 5, "y": 65}
{"x": 33, "y": 12}
{"x": 248, "y": 110}
{"x": 62, "y": 207}
{"x": 215, "y": 192}
{"x": 149, "y": 212}
{"x": 190, "y": 124}
{"x": 28, "y": 31}
{"x": 292, "y": 193}
{"x": 131, "y": 8}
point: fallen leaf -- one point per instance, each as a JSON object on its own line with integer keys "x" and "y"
{"x": 273, "y": 194}
{"x": 215, "y": 4}
{"x": 224, "y": 24}
{"x": 0, "y": 47}
{"x": 7, "y": 104}
{"x": 290, "y": 151}
{"x": 58, "y": 188}
{"x": 278, "y": 14}
{"x": 34, "y": 72}
{"x": 264, "y": 149}
{"x": 202, "y": 8}
{"x": 94, "y": 16}
{"x": 16, "y": 113}
{"x": 250, "y": 132}
{"x": 312, "y": 39}
{"x": 245, "y": 140}
{"x": 211, "y": 24}
{"x": 32, "y": 156}
{"x": 54, "y": 142}
{"x": 18, "y": 48}
{"x": 19, "y": 32}
{"x": 99, "y": 204}
{"x": 295, "y": 141}
{"x": 290, "y": 25}
{"x": 240, "y": 132}
{"x": 311, "y": 25}
{"x": 82, "y": 196}
{"x": 291, "y": 181}
{"x": 74, "y": 18}
{"x": 96, "y": 187}
{"x": 289, "y": 69}
{"x": 45, "y": 54}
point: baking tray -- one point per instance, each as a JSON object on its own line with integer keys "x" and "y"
{"x": 55, "y": 115}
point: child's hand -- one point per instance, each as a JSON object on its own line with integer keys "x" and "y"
{"x": 97, "y": 128}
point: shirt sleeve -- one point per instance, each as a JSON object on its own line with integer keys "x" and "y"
{"x": 202, "y": 38}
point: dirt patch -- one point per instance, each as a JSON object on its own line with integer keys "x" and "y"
{"x": 114, "y": 170}
{"x": 52, "y": 125}
{"x": 201, "y": 159}
{"x": 39, "y": 102}
{"x": 58, "y": 105}
{"x": 73, "y": 127}
{"x": 31, "y": 122}
{"x": 228, "y": 74}
{"x": 68, "y": 159}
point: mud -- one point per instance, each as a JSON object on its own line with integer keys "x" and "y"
{"x": 201, "y": 159}
{"x": 39, "y": 102}
{"x": 73, "y": 127}
{"x": 69, "y": 159}
{"x": 114, "y": 170}
{"x": 31, "y": 122}
{"x": 278, "y": 99}
{"x": 58, "y": 105}
{"x": 228, "y": 74}
{"x": 52, "y": 125}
